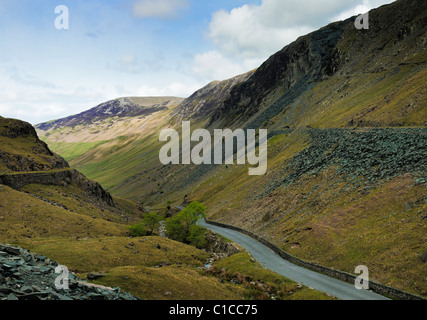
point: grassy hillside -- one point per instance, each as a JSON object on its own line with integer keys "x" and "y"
{"x": 87, "y": 241}
{"x": 156, "y": 268}
{"x": 339, "y": 76}
{"x": 346, "y": 113}
{"x": 69, "y": 221}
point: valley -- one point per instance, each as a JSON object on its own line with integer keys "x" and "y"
{"x": 345, "y": 113}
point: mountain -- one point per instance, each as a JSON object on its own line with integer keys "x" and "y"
{"x": 121, "y": 107}
{"x": 204, "y": 102}
{"x": 346, "y": 116}
{"x": 32, "y": 154}
{"x": 340, "y": 76}
{"x": 105, "y": 125}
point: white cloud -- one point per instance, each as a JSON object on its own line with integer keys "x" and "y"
{"x": 259, "y": 30}
{"x": 27, "y": 79}
{"x": 37, "y": 103}
{"x": 163, "y": 9}
{"x": 176, "y": 89}
{"x": 246, "y": 36}
{"x": 216, "y": 66}
{"x": 30, "y": 106}
{"x": 132, "y": 64}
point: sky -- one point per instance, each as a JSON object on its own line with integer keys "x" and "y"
{"x": 120, "y": 48}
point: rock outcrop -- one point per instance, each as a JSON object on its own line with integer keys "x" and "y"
{"x": 28, "y": 276}
{"x": 25, "y": 151}
{"x": 32, "y": 162}
{"x": 58, "y": 178}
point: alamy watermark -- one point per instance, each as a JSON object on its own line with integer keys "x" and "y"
{"x": 61, "y": 281}
{"x": 362, "y": 281}
{"x": 221, "y": 144}
{"x": 362, "y": 21}
{"x": 62, "y": 21}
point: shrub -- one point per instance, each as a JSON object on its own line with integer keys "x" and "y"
{"x": 151, "y": 221}
{"x": 183, "y": 226}
{"x": 148, "y": 224}
{"x": 137, "y": 230}
{"x": 197, "y": 236}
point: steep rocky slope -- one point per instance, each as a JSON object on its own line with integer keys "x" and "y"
{"x": 204, "y": 102}
{"x": 341, "y": 76}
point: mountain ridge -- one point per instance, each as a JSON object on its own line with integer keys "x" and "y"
{"x": 120, "y": 107}
{"x": 203, "y": 103}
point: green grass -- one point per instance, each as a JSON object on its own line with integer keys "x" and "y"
{"x": 259, "y": 282}
{"x": 76, "y": 200}
{"x": 72, "y": 150}
{"x": 24, "y": 217}
{"x": 100, "y": 254}
{"x": 133, "y": 265}
{"x": 173, "y": 282}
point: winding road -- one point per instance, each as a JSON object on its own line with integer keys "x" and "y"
{"x": 269, "y": 259}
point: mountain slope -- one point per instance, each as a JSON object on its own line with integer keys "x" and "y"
{"x": 346, "y": 113}
{"x": 56, "y": 210}
{"x": 31, "y": 168}
{"x": 204, "y": 102}
{"x": 21, "y": 150}
{"x": 340, "y": 76}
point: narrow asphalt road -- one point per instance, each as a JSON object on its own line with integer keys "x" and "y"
{"x": 269, "y": 259}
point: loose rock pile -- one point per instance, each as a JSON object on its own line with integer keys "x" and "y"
{"x": 28, "y": 276}
{"x": 361, "y": 156}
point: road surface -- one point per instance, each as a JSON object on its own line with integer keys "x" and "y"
{"x": 269, "y": 259}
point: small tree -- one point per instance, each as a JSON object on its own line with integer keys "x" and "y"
{"x": 137, "y": 230}
{"x": 148, "y": 224}
{"x": 183, "y": 227}
{"x": 151, "y": 221}
{"x": 197, "y": 236}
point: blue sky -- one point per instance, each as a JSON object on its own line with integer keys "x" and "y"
{"x": 122, "y": 48}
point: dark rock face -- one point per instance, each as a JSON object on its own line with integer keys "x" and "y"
{"x": 59, "y": 178}
{"x": 16, "y": 128}
{"x": 338, "y": 49}
{"x": 55, "y": 170}
{"x": 92, "y": 188}
{"x": 28, "y": 276}
{"x": 299, "y": 63}
{"x": 16, "y": 162}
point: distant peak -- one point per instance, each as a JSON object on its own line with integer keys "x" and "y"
{"x": 120, "y": 107}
